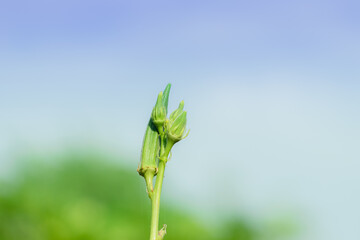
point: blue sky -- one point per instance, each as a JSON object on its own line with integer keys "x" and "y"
{"x": 272, "y": 90}
{"x": 194, "y": 36}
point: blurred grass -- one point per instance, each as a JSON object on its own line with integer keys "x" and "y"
{"x": 88, "y": 197}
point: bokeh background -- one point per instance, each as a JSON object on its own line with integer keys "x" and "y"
{"x": 272, "y": 94}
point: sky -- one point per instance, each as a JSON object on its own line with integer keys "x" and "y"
{"x": 271, "y": 88}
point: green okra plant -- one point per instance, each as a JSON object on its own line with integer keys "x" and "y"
{"x": 160, "y": 136}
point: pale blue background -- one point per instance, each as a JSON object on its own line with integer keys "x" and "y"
{"x": 271, "y": 88}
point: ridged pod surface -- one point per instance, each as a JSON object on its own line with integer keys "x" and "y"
{"x": 151, "y": 144}
{"x": 149, "y": 150}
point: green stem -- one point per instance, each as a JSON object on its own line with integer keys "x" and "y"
{"x": 155, "y": 200}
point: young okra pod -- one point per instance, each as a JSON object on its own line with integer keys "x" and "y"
{"x": 150, "y": 149}
{"x": 151, "y": 144}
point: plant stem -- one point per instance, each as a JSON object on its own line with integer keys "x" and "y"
{"x": 155, "y": 198}
{"x": 156, "y": 201}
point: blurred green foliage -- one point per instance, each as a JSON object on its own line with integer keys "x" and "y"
{"x": 88, "y": 197}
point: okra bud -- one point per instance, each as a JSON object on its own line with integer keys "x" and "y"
{"x": 158, "y": 115}
{"x": 177, "y": 112}
{"x": 176, "y": 127}
{"x": 159, "y": 112}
